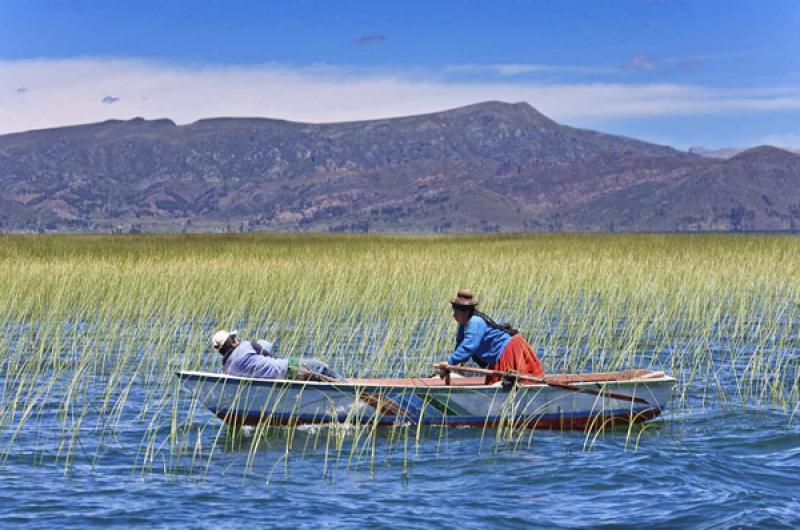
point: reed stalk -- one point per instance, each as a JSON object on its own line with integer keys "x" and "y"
{"x": 95, "y": 326}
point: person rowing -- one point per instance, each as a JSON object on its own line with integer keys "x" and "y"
{"x": 498, "y": 347}
{"x": 257, "y": 359}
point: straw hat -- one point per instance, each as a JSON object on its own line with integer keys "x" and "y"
{"x": 464, "y": 298}
{"x": 221, "y": 337}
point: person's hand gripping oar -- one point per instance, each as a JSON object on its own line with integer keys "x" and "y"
{"x": 443, "y": 371}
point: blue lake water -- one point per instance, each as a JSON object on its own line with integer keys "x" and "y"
{"x": 713, "y": 469}
{"x": 704, "y": 464}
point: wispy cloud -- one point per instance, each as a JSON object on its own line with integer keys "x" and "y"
{"x": 327, "y": 94}
{"x": 516, "y": 69}
{"x": 642, "y": 62}
{"x": 371, "y": 39}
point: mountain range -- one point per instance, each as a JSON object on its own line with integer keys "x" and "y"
{"x": 486, "y": 167}
{"x": 729, "y": 152}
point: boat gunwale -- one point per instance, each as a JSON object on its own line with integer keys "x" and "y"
{"x": 190, "y": 375}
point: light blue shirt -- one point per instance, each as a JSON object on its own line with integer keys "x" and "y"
{"x": 480, "y": 342}
{"x": 245, "y": 361}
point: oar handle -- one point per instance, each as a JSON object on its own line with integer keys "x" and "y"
{"x": 447, "y": 368}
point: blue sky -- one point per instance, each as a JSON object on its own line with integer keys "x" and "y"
{"x": 711, "y": 73}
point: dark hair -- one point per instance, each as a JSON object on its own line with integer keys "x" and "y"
{"x": 227, "y": 346}
{"x": 507, "y": 328}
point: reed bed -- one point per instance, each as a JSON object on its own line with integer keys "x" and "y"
{"x": 94, "y": 327}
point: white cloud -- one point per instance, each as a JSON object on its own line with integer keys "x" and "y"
{"x": 642, "y": 62}
{"x": 70, "y": 91}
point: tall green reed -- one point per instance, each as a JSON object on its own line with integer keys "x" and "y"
{"x": 95, "y": 326}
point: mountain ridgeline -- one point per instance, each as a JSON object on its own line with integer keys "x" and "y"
{"x": 486, "y": 167}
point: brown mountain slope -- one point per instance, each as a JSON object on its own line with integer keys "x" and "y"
{"x": 490, "y": 166}
{"x": 755, "y": 190}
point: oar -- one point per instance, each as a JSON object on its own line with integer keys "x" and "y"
{"x": 511, "y": 375}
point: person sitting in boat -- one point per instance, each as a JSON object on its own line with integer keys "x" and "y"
{"x": 257, "y": 359}
{"x": 491, "y": 345}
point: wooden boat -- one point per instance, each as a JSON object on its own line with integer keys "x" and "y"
{"x": 575, "y": 401}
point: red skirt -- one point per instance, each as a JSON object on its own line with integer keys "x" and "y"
{"x": 518, "y": 356}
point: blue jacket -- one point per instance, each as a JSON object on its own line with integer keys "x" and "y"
{"x": 480, "y": 342}
{"x": 251, "y": 359}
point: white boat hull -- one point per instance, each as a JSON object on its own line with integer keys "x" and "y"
{"x": 569, "y": 402}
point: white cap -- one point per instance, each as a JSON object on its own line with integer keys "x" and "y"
{"x": 220, "y": 337}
